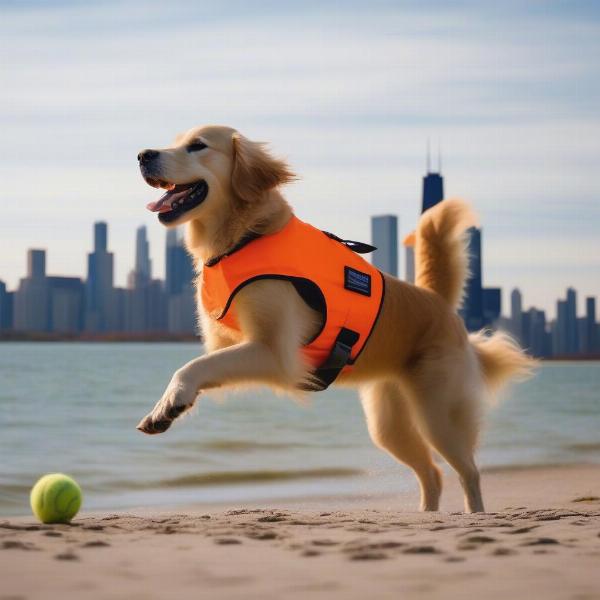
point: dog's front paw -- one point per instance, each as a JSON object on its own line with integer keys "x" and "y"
{"x": 176, "y": 400}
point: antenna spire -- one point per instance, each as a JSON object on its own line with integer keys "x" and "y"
{"x": 428, "y": 156}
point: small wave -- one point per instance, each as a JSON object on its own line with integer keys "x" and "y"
{"x": 242, "y": 445}
{"x": 507, "y": 468}
{"x": 584, "y": 447}
{"x": 238, "y": 477}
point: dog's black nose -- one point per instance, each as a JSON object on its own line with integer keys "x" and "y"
{"x": 146, "y": 155}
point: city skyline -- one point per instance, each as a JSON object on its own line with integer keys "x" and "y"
{"x": 349, "y": 97}
{"x": 70, "y": 305}
{"x": 384, "y": 229}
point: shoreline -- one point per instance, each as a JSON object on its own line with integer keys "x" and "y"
{"x": 541, "y": 535}
{"x": 160, "y": 338}
{"x": 406, "y": 495}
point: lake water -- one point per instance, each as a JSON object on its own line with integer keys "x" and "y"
{"x": 73, "y": 408}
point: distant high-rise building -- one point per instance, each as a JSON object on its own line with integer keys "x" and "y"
{"x": 433, "y": 185}
{"x": 491, "y": 305}
{"x": 409, "y": 267}
{"x": 143, "y": 265}
{"x": 384, "y": 235}
{"x": 534, "y": 334}
{"x": 591, "y": 343}
{"x": 516, "y": 313}
{"x": 146, "y": 302}
{"x": 433, "y": 193}
{"x": 36, "y": 264}
{"x": 472, "y": 308}
{"x": 559, "y": 332}
{"x": 66, "y": 301}
{"x": 30, "y": 310}
{"x": 571, "y": 325}
{"x": 100, "y": 236}
{"x": 6, "y": 307}
{"x": 179, "y": 285}
{"x": 179, "y": 268}
{"x": 99, "y": 296}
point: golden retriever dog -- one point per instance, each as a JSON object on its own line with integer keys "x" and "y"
{"x": 422, "y": 378}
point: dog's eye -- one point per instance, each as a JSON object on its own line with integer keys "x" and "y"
{"x": 196, "y": 146}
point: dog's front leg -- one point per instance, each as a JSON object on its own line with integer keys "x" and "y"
{"x": 246, "y": 362}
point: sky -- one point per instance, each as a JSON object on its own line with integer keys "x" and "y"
{"x": 349, "y": 92}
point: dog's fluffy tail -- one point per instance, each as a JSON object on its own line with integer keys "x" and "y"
{"x": 441, "y": 256}
{"x": 501, "y": 359}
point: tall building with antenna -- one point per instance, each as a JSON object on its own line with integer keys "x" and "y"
{"x": 481, "y": 306}
{"x": 433, "y": 183}
{"x": 433, "y": 192}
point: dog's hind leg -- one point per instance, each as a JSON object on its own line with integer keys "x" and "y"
{"x": 392, "y": 428}
{"x": 446, "y": 397}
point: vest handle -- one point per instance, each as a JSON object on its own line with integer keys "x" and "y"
{"x": 358, "y": 247}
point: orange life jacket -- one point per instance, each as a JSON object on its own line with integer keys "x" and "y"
{"x": 328, "y": 275}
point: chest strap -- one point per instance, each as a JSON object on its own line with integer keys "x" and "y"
{"x": 328, "y": 372}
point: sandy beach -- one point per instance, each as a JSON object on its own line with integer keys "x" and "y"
{"x": 540, "y": 539}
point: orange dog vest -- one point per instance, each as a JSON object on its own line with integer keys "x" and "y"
{"x": 328, "y": 275}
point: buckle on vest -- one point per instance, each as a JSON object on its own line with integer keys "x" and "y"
{"x": 339, "y": 357}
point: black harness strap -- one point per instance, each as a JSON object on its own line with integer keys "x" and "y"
{"x": 339, "y": 357}
{"x": 246, "y": 239}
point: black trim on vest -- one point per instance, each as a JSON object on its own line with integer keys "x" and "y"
{"x": 328, "y": 372}
{"x": 316, "y": 299}
{"x": 353, "y": 360}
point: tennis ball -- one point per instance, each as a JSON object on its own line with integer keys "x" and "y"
{"x": 55, "y": 498}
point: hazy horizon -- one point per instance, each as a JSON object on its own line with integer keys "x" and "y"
{"x": 349, "y": 96}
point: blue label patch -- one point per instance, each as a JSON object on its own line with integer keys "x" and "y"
{"x": 357, "y": 281}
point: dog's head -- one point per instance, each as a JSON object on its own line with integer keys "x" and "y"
{"x": 209, "y": 170}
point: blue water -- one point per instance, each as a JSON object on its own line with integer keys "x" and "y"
{"x": 73, "y": 408}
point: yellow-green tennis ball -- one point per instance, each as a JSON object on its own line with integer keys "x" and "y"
{"x": 55, "y": 498}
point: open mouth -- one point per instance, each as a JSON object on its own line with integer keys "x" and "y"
{"x": 178, "y": 199}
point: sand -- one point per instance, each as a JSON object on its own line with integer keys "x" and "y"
{"x": 541, "y": 539}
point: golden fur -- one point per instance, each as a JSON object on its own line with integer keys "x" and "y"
{"x": 421, "y": 377}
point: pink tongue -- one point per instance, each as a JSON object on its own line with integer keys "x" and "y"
{"x": 159, "y": 205}
{"x": 163, "y": 204}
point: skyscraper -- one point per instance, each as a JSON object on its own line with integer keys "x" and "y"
{"x": 433, "y": 184}
{"x": 179, "y": 285}
{"x": 433, "y": 190}
{"x": 36, "y": 264}
{"x": 559, "y": 332}
{"x": 591, "y": 345}
{"x": 66, "y": 301}
{"x": 143, "y": 265}
{"x": 100, "y": 236}
{"x": 491, "y": 305}
{"x": 99, "y": 301}
{"x": 472, "y": 308}
{"x": 6, "y": 320}
{"x": 571, "y": 324}
{"x": 146, "y": 305}
{"x": 433, "y": 193}
{"x": 30, "y": 311}
{"x": 409, "y": 264}
{"x": 384, "y": 235}
{"x": 179, "y": 269}
{"x": 516, "y": 313}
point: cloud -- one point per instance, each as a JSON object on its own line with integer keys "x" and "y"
{"x": 349, "y": 93}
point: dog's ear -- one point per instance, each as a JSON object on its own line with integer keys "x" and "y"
{"x": 254, "y": 170}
